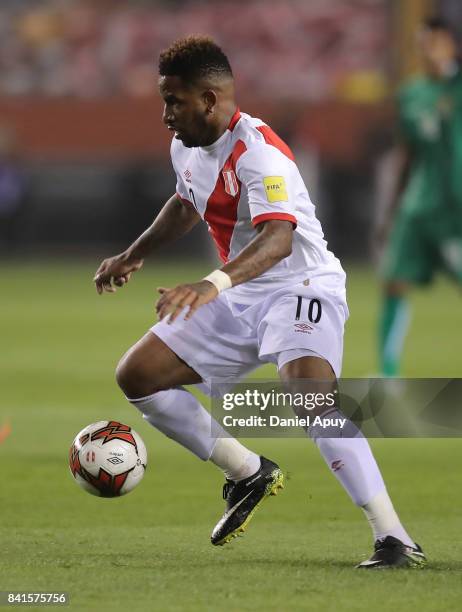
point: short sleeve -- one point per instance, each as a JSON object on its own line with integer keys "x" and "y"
{"x": 266, "y": 174}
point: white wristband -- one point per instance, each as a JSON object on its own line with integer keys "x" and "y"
{"x": 220, "y": 279}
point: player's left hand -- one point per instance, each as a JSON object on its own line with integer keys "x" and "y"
{"x": 172, "y": 301}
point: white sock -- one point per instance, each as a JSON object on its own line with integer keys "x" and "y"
{"x": 236, "y": 461}
{"x": 180, "y": 416}
{"x": 353, "y": 464}
{"x": 383, "y": 519}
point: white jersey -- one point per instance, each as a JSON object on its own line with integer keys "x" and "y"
{"x": 244, "y": 178}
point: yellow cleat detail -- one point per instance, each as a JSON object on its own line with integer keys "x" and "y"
{"x": 271, "y": 490}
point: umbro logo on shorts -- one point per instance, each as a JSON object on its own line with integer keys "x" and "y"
{"x": 304, "y": 328}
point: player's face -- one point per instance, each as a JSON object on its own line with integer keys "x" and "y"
{"x": 185, "y": 111}
{"x": 438, "y": 50}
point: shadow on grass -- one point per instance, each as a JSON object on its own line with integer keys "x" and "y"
{"x": 282, "y": 562}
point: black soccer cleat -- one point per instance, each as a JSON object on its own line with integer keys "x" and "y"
{"x": 243, "y": 498}
{"x": 391, "y": 553}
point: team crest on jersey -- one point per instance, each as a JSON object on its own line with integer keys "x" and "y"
{"x": 231, "y": 184}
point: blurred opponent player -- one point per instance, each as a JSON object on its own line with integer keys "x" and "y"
{"x": 426, "y": 231}
{"x": 278, "y": 278}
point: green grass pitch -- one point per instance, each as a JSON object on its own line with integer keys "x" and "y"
{"x": 150, "y": 550}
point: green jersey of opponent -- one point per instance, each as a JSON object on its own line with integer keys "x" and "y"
{"x": 425, "y": 211}
{"x": 427, "y": 231}
{"x": 430, "y": 121}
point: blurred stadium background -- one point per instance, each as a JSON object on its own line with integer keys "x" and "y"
{"x": 81, "y": 120}
{"x": 84, "y": 167}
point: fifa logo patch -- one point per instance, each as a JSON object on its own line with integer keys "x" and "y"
{"x": 231, "y": 184}
{"x": 275, "y": 189}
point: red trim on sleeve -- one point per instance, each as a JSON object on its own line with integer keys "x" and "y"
{"x": 274, "y": 216}
{"x": 184, "y": 200}
{"x": 273, "y": 139}
{"x": 234, "y": 119}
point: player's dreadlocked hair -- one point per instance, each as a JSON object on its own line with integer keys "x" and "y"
{"x": 193, "y": 58}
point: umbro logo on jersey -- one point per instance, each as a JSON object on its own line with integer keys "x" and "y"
{"x": 231, "y": 184}
{"x": 187, "y": 175}
{"x": 337, "y": 465}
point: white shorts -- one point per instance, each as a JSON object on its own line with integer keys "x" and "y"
{"x": 225, "y": 341}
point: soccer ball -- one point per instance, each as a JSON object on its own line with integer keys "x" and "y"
{"x": 108, "y": 459}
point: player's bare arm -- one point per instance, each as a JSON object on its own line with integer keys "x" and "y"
{"x": 401, "y": 160}
{"x": 174, "y": 220}
{"x": 273, "y": 243}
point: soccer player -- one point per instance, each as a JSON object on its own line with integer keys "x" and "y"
{"x": 237, "y": 175}
{"x": 426, "y": 231}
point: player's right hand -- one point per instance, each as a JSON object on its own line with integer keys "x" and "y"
{"x": 115, "y": 271}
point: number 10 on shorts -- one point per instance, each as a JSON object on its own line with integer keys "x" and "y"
{"x": 314, "y": 310}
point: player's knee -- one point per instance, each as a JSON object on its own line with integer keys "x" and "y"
{"x": 133, "y": 378}
{"x": 125, "y": 376}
